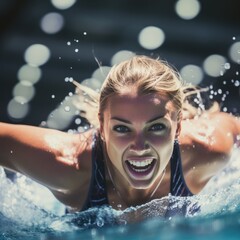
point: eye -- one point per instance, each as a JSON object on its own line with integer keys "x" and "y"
{"x": 157, "y": 127}
{"x": 121, "y": 129}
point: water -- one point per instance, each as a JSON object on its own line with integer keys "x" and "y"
{"x": 29, "y": 211}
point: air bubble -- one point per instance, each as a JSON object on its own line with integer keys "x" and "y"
{"x": 53, "y": 96}
{"x": 224, "y": 109}
{"x": 85, "y": 33}
{"x": 76, "y": 50}
{"x": 220, "y": 91}
{"x": 68, "y": 43}
{"x": 233, "y": 38}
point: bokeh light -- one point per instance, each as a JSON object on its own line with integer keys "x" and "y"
{"x": 101, "y": 73}
{"x": 29, "y": 73}
{"x": 92, "y": 83}
{"x": 192, "y": 74}
{"x": 37, "y": 55}
{"x": 214, "y": 65}
{"x": 151, "y": 37}
{"x": 187, "y": 9}
{"x": 61, "y": 117}
{"x": 63, "y": 4}
{"x": 234, "y": 52}
{"x": 121, "y": 56}
{"x": 17, "y": 108}
{"x": 25, "y": 90}
{"x": 52, "y": 23}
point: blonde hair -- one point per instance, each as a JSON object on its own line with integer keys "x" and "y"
{"x": 143, "y": 74}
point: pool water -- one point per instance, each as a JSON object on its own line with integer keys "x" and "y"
{"x": 29, "y": 211}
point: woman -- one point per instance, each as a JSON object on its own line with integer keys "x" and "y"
{"x": 141, "y": 149}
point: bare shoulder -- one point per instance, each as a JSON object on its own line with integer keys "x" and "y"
{"x": 206, "y": 144}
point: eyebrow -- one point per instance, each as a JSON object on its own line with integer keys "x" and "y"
{"x": 129, "y": 122}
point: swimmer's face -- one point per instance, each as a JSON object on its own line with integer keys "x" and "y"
{"x": 139, "y": 133}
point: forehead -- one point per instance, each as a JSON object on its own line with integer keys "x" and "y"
{"x": 130, "y": 104}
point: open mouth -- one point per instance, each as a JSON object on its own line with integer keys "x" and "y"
{"x": 141, "y": 167}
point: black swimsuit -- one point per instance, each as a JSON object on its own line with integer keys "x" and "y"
{"x": 97, "y": 195}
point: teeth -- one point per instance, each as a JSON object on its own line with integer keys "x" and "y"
{"x": 141, "y": 163}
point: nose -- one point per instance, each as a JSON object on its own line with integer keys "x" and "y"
{"x": 139, "y": 145}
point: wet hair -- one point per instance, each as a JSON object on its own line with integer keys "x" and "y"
{"x": 142, "y": 74}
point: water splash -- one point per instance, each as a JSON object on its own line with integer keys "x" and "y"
{"x": 23, "y": 210}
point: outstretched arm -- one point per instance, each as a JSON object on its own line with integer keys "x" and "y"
{"x": 48, "y": 156}
{"x": 206, "y": 146}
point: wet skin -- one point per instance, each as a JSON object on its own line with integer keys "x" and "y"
{"x": 138, "y": 132}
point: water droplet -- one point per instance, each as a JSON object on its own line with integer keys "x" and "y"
{"x": 233, "y": 38}
{"x": 220, "y": 91}
{"x": 100, "y": 222}
{"x": 224, "y": 82}
{"x": 76, "y": 40}
{"x": 227, "y": 66}
{"x": 85, "y": 33}
{"x": 11, "y": 151}
{"x": 237, "y": 83}
{"x": 70, "y": 94}
{"x": 237, "y": 73}
{"x": 224, "y": 109}
{"x": 53, "y": 96}
{"x": 68, "y": 43}
{"x": 211, "y": 96}
{"x": 78, "y": 121}
{"x": 67, "y": 108}
{"x": 119, "y": 205}
{"x": 59, "y": 57}
{"x": 76, "y": 50}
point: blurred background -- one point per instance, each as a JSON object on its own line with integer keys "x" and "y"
{"x": 46, "y": 44}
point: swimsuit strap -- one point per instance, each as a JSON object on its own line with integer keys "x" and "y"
{"x": 97, "y": 195}
{"x": 178, "y": 185}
